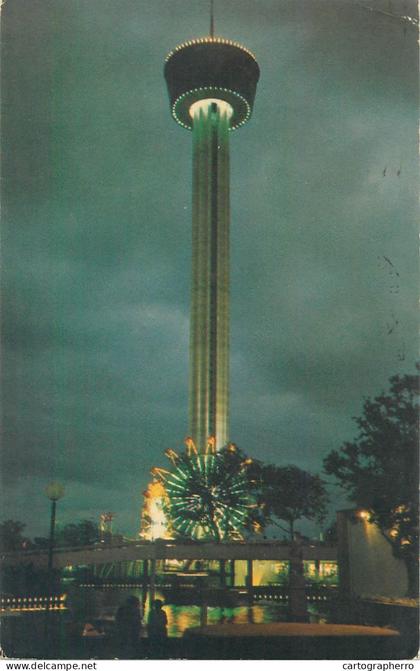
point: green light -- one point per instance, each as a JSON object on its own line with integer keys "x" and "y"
{"x": 206, "y": 91}
{"x": 210, "y": 501}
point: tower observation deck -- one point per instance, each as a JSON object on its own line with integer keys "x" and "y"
{"x": 211, "y": 83}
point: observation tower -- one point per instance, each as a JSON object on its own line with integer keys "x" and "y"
{"x": 211, "y": 83}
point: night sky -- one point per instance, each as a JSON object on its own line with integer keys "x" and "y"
{"x": 97, "y": 238}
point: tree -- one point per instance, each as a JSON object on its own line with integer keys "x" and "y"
{"x": 290, "y": 494}
{"x": 84, "y": 532}
{"x": 379, "y": 468}
{"x": 28, "y": 579}
{"x": 11, "y": 538}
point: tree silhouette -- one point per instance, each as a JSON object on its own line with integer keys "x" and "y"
{"x": 11, "y": 537}
{"x": 290, "y": 494}
{"x": 84, "y": 532}
{"x": 379, "y": 469}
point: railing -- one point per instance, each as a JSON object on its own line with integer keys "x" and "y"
{"x": 170, "y": 543}
{"x": 103, "y": 553}
{"x": 36, "y": 552}
{"x": 111, "y": 585}
{"x": 32, "y": 603}
{"x": 275, "y": 593}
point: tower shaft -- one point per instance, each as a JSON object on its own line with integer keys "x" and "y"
{"x": 211, "y": 85}
{"x": 209, "y": 335}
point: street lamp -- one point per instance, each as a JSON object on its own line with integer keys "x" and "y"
{"x": 363, "y": 515}
{"x": 54, "y": 491}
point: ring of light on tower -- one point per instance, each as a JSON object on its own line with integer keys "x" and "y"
{"x": 222, "y": 106}
{"x": 211, "y": 68}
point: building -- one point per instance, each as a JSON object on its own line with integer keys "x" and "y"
{"x": 211, "y": 83}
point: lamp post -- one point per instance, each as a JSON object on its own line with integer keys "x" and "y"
{"x": 54, "y": 492}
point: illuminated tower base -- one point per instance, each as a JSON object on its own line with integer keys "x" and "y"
{"x": 211, "y": 84}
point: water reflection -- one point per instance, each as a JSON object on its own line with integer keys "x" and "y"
{"x": 104, "y": 603}
{"x": 182, "y": 617}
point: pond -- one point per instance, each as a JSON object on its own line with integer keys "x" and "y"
{"x": 103, "y": 603}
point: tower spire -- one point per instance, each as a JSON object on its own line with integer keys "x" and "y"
{"x": 211, "y": 18}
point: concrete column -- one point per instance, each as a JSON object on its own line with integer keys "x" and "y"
{"x": 343, "y": 558}
{"x": 145, "y": 581}
{"x": 209, "y": 336}
{"x": 232, "y": 573}
{"x": 298, "y": 606}
{"x": 152, "y": 585}
{"x": 250, "y": 615}
{"x": 203, "y": 614}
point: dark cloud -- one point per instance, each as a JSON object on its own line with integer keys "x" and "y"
{"x": 96, "y": 239}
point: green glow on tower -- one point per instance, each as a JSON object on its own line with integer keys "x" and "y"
{"x": 211, "y": 84}
{"x": 209, "y": 334}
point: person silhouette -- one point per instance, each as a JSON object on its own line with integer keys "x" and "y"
{"x": 128, "y": 624}
{"x": 157, "y": 628}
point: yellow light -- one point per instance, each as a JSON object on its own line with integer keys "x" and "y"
{"x": 209, "y": 40}
{"x": 211, "y": 445}
{"x": 54, "y": 491}
{"x": 401, "y": 509}
{"x": 159, "y": 472}
{"x": 364, "y": 515}
{"x": 172, "y": 455}
{"x": 190, "y": 446}
{"x": 153, "y": 510}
